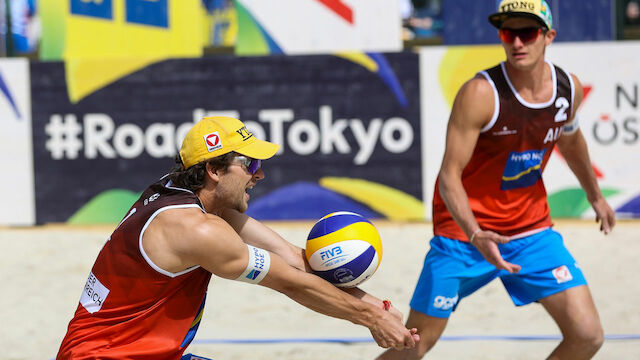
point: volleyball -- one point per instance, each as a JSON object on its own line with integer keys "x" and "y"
{"x": 344, "y": 248}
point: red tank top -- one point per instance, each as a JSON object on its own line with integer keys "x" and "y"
{"x": 503, "y": 178}
{"x": 130, "y": 308}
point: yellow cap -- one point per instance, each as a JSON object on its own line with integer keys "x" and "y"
{"x": 536, "y": 9}
{"x": 217, "y": 135}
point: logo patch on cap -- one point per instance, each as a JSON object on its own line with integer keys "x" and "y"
{"x": 213, "y": 141}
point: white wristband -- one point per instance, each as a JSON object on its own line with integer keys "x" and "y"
{"x": 474, "y": 235}
{"x": 258, "y": 266}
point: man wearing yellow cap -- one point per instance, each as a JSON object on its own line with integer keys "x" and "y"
{"x": 490, "y": 213}
{"x": 145, "y": 294}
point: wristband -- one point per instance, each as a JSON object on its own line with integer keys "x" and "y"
{"x": 386, "y": 305}
{"x": 474, "y": 235}
{"x": 257, "y": 267}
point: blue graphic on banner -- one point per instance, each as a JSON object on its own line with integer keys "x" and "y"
{"x": 5, "y": 91}
{"x": 145, "y": 12}
{"x": 523, "y": 169}
{"x": 631, "y": 207}
{"x": 100, "y": 9}
{"x": 284, "y": 203}
{"x": 389, "y": 77}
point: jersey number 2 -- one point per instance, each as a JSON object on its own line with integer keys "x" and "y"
{"x": 562, "y": 104}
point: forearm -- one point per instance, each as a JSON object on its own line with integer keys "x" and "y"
{"x": 259, "y": 235}
{"x": 293, "y": 255}
{"x": 321, "y": 296}
{"x": 455, "y": 198}
{"x": 364, "y": 296}
{"x": 575, "y": 152}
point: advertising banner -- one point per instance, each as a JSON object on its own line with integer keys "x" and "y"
{"x": 609, "y": 118}
{"x": 15, "y": 144}
{"x": 348, "y": 126}
{"x": 295, "y": 27}
{"x": 101, "y": 41}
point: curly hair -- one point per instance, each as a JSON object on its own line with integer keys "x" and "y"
{"x": 193, "y": 178}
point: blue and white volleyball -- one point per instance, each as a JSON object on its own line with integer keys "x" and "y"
{"x": 344, "y": 248}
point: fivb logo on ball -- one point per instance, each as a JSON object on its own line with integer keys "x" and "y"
{"x": 331, "y": 254}
{"x": 344, "y": 248}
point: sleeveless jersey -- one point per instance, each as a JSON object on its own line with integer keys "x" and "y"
{"x": 503, "y": 178}
{"x": 130, "y": 308}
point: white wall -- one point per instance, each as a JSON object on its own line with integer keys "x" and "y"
{"x": 16, "y": 151}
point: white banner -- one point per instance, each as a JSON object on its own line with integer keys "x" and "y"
{"x": 328, "y": 26}
{"x": 609, "y": 118}
{"x": 16, "y": 150}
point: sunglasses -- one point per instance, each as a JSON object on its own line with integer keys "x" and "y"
{"x": 525, "y": 35}
{"x": 251, "y": 164}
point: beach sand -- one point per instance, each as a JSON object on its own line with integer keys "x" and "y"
{"x": 43, "y": 270}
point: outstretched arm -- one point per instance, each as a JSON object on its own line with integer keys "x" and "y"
{"x": 573, "y": 148}
{"x": 258, "y": 234}
{"x": 226, "y": 255}
{"x": 472, "y": 110}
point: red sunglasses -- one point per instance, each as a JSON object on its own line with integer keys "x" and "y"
{"x": 525, "y": 35}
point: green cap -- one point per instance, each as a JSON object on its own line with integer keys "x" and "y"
{"x": 536, "y": 9}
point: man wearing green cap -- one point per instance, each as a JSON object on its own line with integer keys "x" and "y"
{"x": 490, "y": 213}
{"x": 145, "y": 294}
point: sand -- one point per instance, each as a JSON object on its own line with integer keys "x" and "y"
{"x": 43, "y": 270}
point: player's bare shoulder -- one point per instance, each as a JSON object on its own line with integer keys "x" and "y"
{"x": 185, "y": 230}
{"x": 474, "y": 102}
{"x": 478, "y": 89}
{"x": 579, "y": 92}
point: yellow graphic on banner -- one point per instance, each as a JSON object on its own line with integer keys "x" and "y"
{"x": 107, "y": 39}
{"x": 84, "y": 76}
{"x": 461, "y": 63}
{"x": 394, "y": 204}
{"x": 360, "y": 58}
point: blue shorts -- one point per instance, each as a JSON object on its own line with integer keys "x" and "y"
{"x": 454, "y": 269}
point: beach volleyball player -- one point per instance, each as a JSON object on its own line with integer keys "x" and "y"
{"x": 146, "y": 292}
{"x": 490, "y": 213}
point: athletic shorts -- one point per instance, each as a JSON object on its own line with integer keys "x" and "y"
{"x": 454, "y": 269}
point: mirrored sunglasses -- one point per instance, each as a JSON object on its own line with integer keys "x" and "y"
{"x": 525, "y": 35}
{"x": 251, "y": 164}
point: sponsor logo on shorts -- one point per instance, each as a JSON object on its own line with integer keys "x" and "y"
{"x": 445, "y": 303}
{"x": 562, "y": 274}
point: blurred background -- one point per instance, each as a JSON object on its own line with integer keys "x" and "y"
{"x": 96, "y": 96}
